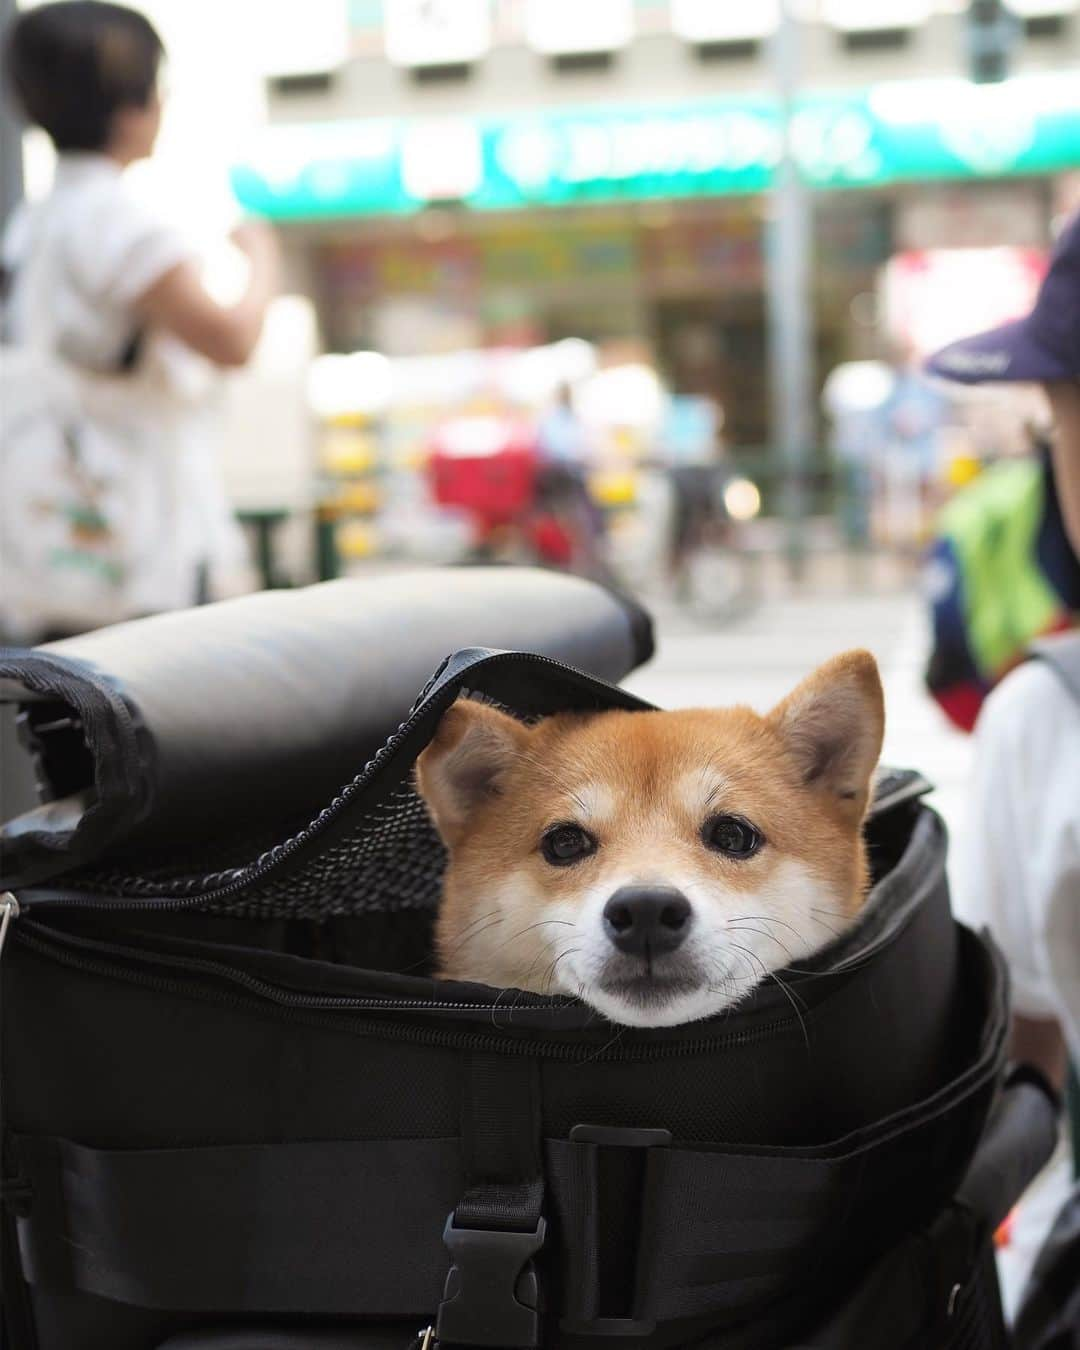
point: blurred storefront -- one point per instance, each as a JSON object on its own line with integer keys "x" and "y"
{"x": 647, "y": 221}
{"x": 687, "y": 279}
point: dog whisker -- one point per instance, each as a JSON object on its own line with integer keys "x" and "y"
{"x": 769, "y": 919}
{"x": 746, "y": 928}
{"x": 542, "y": 923}
{"x": 791, "y": 998}
{"x": 469, "y": 932}
{"x": 524, "y": 980}
{"x": 619, "y": 1031}
{"x": 549, "y": 978}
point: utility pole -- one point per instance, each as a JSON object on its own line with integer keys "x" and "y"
{"x": 789, "y": 301}
{"x": 11, "y": 168}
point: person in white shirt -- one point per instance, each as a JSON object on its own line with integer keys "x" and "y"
{"x": 1021, "y": 869}
{"x": 100, "y": 283}
{"x": 1019, "y": 866}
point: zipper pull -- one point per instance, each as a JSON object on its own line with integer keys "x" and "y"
{"x": 9, "y": 909}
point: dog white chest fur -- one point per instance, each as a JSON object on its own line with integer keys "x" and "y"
{"x": 657, "y": 865}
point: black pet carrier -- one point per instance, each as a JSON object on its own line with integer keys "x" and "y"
{"x": 239, "y": 1114}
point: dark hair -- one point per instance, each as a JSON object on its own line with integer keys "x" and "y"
{"x": 75, "y": 64}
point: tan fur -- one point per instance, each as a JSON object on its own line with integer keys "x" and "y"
{"x": 643, "y": 784}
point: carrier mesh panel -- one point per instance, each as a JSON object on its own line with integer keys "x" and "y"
{"x": 390, "y": 859}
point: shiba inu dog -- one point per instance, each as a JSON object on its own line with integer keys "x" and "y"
{"x": 657, "y": 865}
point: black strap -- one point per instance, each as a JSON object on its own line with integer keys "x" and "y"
{"x": 492, "y": 1295}
{"x": 732, "y": 1235}
{"x": 356, "y": 1228}
{"x": 325, "y": 1227}
{"x": 500, "y": 1127}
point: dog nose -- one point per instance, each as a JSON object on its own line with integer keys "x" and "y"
{"x": 647, "y": 920}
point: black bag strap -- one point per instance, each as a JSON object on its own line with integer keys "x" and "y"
{"x": 358, "y": 1225}
{"x": 735, "y": 1237}
{"x": 492, "y": 1294}
{"x": 332, "y": 1227}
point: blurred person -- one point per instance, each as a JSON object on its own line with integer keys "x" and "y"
{"x": 561, "y": 437}
{"x": 691, "y": 449}
{"x": 112, "y": 499}
{"x": 913, "y": 419}
{"x": 854, "y": 398}
{"x": 1020, "y": 870}
{"x": 565, "y": 454}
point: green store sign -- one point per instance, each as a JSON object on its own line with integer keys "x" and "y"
{"x": 903, "y": 132}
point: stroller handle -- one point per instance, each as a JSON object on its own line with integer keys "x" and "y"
{"x": 1019, "y": 1141}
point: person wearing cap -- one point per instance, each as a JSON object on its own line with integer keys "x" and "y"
{"x": 1018, "y": 868}
{"x": 1021, "y": 868}
{"x": 1042, "y": 348}
{"x": 1020, "y": 859}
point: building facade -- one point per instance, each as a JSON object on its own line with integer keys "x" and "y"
{"x": 454, "y": 173}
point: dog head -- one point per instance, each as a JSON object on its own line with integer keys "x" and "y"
{"x": 657, "y": 865}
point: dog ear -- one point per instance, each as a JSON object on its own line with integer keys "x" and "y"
{"x": 833, "y": 724}
{"x": 460, "y": 768}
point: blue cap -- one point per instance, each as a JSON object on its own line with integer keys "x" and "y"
{"x": 1042, "y": 348}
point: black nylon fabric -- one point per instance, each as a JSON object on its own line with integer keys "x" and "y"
{"x": 373, "y": 846}
{"x": 64, "y": 832}
{"x": 252, "y": 712}
{"x": 189, "y": 1066}
{"x": 730, "y": 1233}
{"x": 307, "y": 1123}
{"x": 500, "y": 1130}
{"x": 721, "y": 1233}
{"x": 264, "y": 1229}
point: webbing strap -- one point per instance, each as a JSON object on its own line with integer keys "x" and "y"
{"x": 500, "y": 1127}
{"x": 356, "y": 1228}
{"x": 727, "y": 1235}
{"x": 492, "y": 1293}
{"x": 323, "y": 1227}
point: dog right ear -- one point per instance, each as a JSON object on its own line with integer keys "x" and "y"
{"x": 461, "y": 767}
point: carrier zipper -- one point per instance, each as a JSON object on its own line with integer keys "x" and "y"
{"x": 326, "y": 1009}
{"x": 9, "y": 909}
{"x": 34, "y": 897}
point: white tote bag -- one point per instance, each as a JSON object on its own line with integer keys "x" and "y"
{"x": 79, "y": 503}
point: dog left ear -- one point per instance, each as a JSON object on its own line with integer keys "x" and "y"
{"x": 834, "y": 723}
{"x": 460, "y": 768}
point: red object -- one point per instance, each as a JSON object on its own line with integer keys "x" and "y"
{"x": 961, "y": 703}
{"x": 1003, "y": 1235}
{"x": 552, "y": 541}
{"x": 487, "y": 467}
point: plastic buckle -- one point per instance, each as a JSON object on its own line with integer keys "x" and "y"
{"x": 615, "y": 1136}
{"x": 492, "y": 1296}
{"x": 618, "y": 1136}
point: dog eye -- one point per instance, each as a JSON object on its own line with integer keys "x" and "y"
{"x": 728, "y": 834}
{"x": 566, "y": 844}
